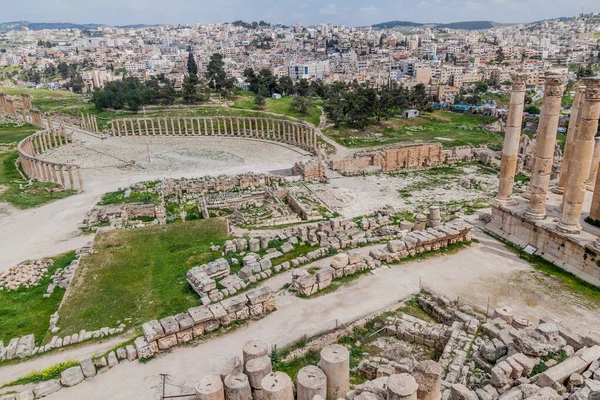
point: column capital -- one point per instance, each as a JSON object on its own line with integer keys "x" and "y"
{"x": 519, "y": 81}
{"x": 592, "y": 88}
{"x": 553, "y": 84}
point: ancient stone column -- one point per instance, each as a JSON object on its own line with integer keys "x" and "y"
{"x": 237, "y": 387}
{"x": 335, "y": 363}
{"x": 544, "y": 145}
{"x": 210, "y": 388}
{"x": 257, "y": 369}
{"x": 420, "y": 222}
{"x": 10, "y": 107}
{"x": 277, "y": 386}
{"x": 583, "y": 148}
{"x": 71, "y": 180}
{"x": 3, "y": 103}
{"x": 402, "y": 387}
{"x": 510, "y": 149}
{"x": 254, "y": 349}
{"x": 311, "y": 381}
{"x": 435, "y": 218}
{"x": 591, "y": 180}
{"x": 80, "y": 179}
{"x": 428, "y": 375}
{"x": 61, "y": 171}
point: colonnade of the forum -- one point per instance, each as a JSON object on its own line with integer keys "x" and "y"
{"x": 293, "y": 133}
{"x": 581, "y": 157}
{"x": 67, "y": 175}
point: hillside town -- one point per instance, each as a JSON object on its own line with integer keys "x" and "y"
{"x": 444, "y": 60}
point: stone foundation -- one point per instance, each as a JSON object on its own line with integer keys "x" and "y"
{"x": 573, "y": 253}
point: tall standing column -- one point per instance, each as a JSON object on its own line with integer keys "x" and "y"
{"x": 510, "y": 149}
{"x": 591, "y": 180}
{"x": 567, "y": 154}
{"x": 582, "y": 156}
{"x": 545, "y": 144}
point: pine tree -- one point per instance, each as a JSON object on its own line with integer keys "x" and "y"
{"x": 192, "y": 67}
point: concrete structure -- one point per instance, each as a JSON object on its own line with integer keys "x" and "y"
{"x": 545, "y": 145}
{"x": 335, "y": 363}
{"x": 294, "y": 133}
{"x": 567, "y": 153}
{"x": 579, "y": 168}
{"x": 510, "y": 150}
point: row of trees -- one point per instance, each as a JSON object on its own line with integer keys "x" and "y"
{"x": 358, "y": 105}
{"x": 131, "y": 93}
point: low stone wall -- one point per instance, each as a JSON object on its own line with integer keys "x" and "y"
{"x": 572, "y": 253}
{"x": 409, "y": 157}
{"x": 344, "y": 264}
{"x": 182, "y": 328}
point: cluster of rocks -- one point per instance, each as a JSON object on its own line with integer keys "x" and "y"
{"x": 26, "y": 274}
{"x": 182, "y": 328}
{"x": 25, "y": 346}
{"x": 62, "y": 278}
{"x": 417, "y": 242}
{"x": 118, "y": 215}
{"x": 73, "y": 376}
{"x": 213, "y": 282}
{"x": 308, "y": 282}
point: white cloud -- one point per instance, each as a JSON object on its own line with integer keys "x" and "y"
{"x": 329, "y": 9}
{"x": 368, "y": 10}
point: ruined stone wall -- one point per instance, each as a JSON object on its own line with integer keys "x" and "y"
{"x": 413, "y": 156}
{"x": 565, "y": 251}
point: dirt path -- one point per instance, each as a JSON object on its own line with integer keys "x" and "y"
{"x": 469, "y": 273}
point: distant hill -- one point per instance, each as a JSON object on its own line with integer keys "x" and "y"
{"x": 394, "y": 24}
{"x": 468, "y": 25}
{"x": 38, "y": 26}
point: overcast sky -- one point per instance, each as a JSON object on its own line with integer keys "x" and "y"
{"x": 348, "y": 12}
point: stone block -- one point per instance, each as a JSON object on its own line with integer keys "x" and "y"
{"x": 170, "y": 325}
{"x": 461, "y": 392}
{"x": 198, "y": 330}
{"x": 121, "y": 353}
{"x": 185, "y": 336}
{"x": 131, "y": 352}
{"x": 72, "y": 376}
{"x": 112, "y": 359}
{"x": 26, "y": 395}
{"x": 143, "y": 348}
{"x": 545, "y": 393}
{"x": 234, "y": 304}
{"x": 211, "y": 325}
{"x": 259, "y": 295}
{"x": 46, "y": 388}
{"x": 200, "y": 314}
{"x": 559, "y": 373}
{"x": 153, "y": 330}
{"x": 25, "y": 346}
{"x": 88, "y": 368}
{"x": 167, "y": 342}
{"x": 185, "y": 321}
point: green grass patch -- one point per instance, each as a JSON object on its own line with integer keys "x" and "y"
{"x": 291, "y": 367}
{"x": 118, "y": 197}
{"x": 15, "y": 132}
{"x": 449, "y": 129}
{"x": 32, "y": 195}
{"x": 541, "y": 367}
{"x": 139, "y": 274}
{"x": 47, "y": 374}
{"x": 26, "y": 311}
{"x": 414, "y": 309}
{"x": 280, "y": 106}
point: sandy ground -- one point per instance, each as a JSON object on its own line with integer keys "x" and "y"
{"x": 52, "y": 228}
{"x": 483, "y": 270}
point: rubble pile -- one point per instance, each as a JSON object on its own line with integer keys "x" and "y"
{"x": 26, "y": 274}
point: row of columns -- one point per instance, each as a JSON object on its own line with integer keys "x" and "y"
{"x": 69, "y": 176}
{"x": 42, "y": 141}
{"x": 89, "y": 122}
{"x": 580, "y": 159}
{"x": 263, "y": 128}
